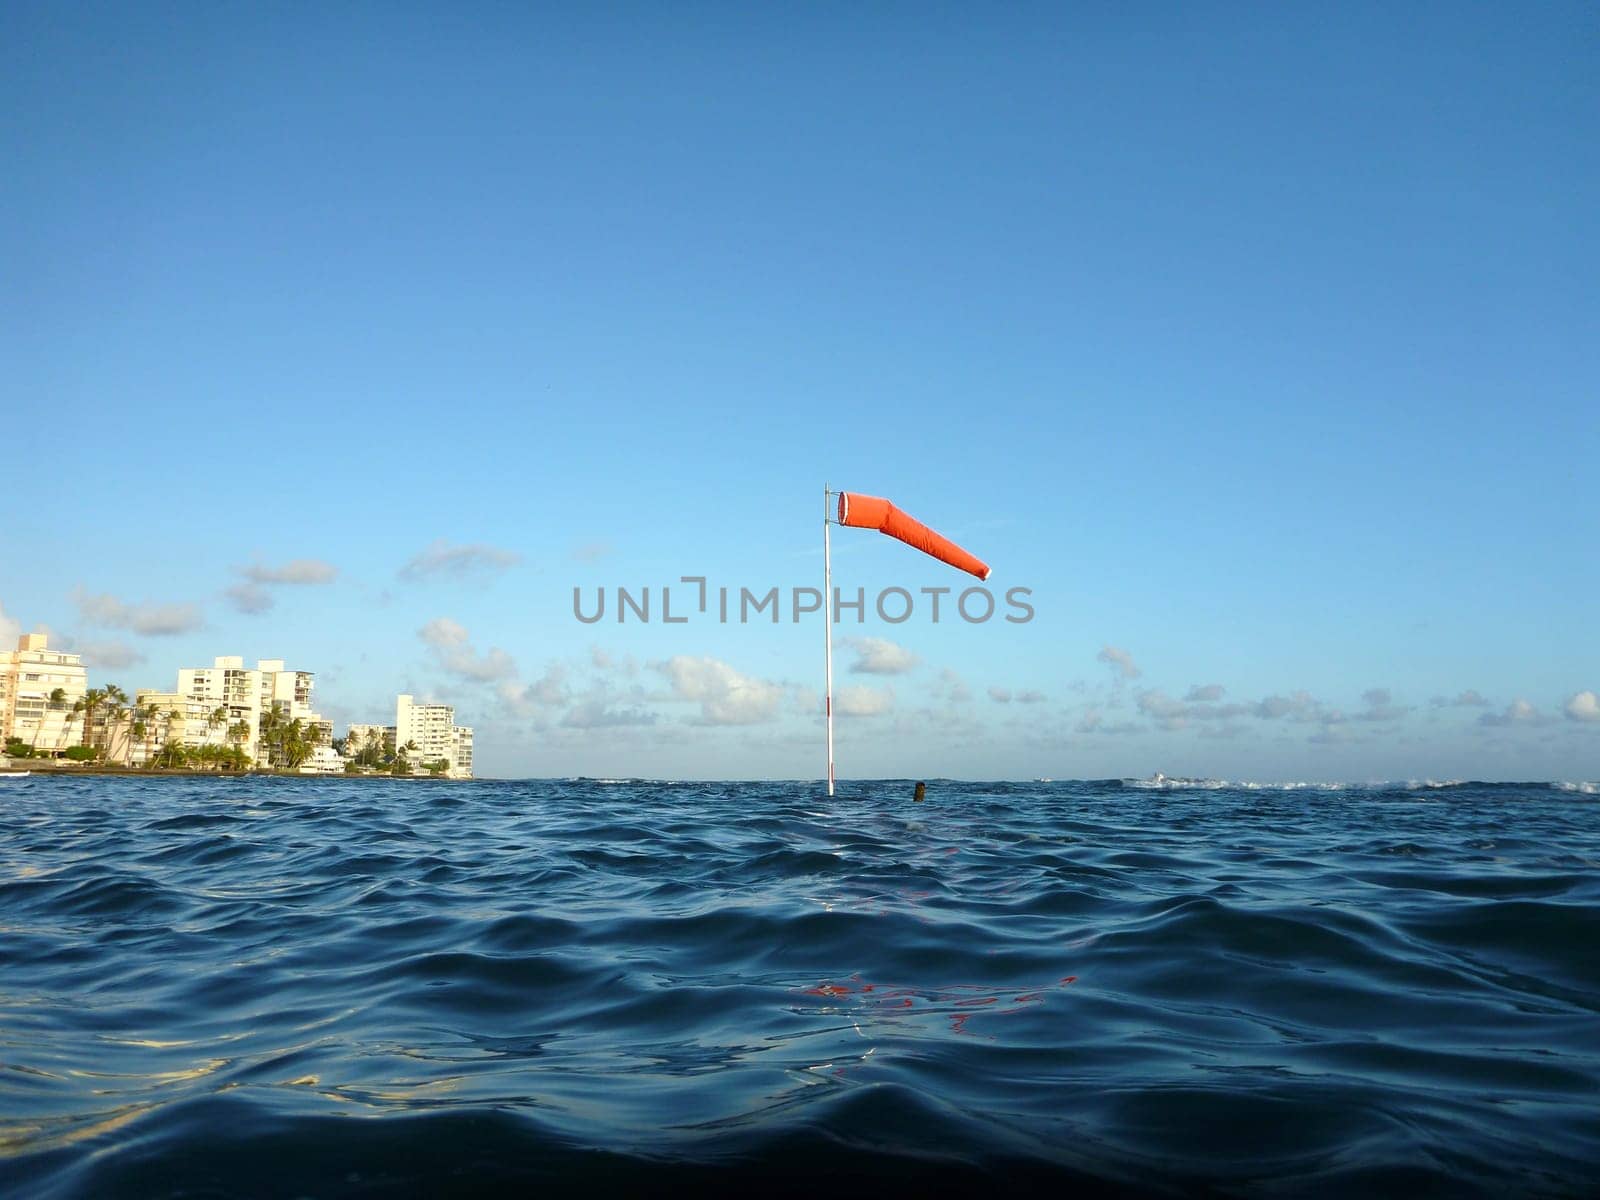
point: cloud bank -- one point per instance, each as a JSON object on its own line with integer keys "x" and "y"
{"x": 150, "y": 620}
{"x": 113, "y": 656}
{"x": 1120, "y": 662}
{"x": 725, "y": 696}
{"x": 453, "y": 652}
{"x": 880, "y": 656}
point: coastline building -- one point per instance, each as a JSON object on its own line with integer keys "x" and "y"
{"x": 324, "y": 760}
{"x": 437, "y": 736}
{"x": 462, "y": 758}
{"x": 225, "y": 705}
{"x": 227, "y": 684}
{"x": 358, "y": 737}
{"x": 288, "y": 693}
{"x": 30, "y": 676}
{"x": 178, "y": 718}
{"x": 249, "y": 694}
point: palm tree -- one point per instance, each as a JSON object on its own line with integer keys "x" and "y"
{"x": 216, "y": 717}
{"x": 171, "y": 754}
{"x": 238, "y": 734}
{"x": 173, "y": 718}
{"x": 87, "y": 704}
{"x": 298, "y": 740}
{"x": 371, "y": 754}
{"x": 272, "y": 730}
{"x": 142, "y": 726}
{"x": 116, "y": 706}
{"x": 55, "y": 702}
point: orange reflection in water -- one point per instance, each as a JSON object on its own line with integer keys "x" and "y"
{"x": 959, "y": 1001}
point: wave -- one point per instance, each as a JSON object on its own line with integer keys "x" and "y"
{"x": 1206, "y": 987}
{"x": 1182, "y": 783}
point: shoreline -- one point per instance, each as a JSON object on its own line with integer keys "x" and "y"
{"x": 184, "y": 773}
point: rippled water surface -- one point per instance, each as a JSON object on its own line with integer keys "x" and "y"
{"x": 272, "y": 987}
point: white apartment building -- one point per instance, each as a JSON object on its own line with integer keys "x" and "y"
{"x": 178, "y": 718}
{"x": 358, "y": 736}
{"x": 437, "y": 736}
{"x": 29, "y": 676}
{"x": 324, "y": 760}
{"x": 463, "y": 752}
{"x": 247, "y": 693}
{"x": 227, "y": 684}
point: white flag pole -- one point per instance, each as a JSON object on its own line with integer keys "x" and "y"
{"x": 827, "y": 621}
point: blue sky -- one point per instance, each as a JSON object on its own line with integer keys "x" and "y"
{"x": 1259, "y": 344}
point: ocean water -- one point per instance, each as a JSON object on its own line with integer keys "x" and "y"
{"x": 267, "y": 987}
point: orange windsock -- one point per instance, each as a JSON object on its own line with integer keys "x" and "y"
{"x": 874, "y": 512}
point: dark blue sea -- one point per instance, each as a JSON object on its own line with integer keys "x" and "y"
{"x": 269, "y": 987}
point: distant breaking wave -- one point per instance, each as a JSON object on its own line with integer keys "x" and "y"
{"x": 1383, "y": 786}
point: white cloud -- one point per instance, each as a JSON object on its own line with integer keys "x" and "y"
{"x": 1466, "y": 699}
{"x": 1518, "y": 712}
{"x": 603, "y": 660}
{"x": 1030, "y": 696}
{"x": 1585, "y": 706}
{"x": 550, "y": 690}
{"x": 951, "y": 687}
{"x": 249, "y": 597}
{"x": 1000, "y": 695}
{"x": 880, "y": 656}
{"x": 254, "y": 595}
{"x": 1093, "y": 721}
{"x": 1297, "y": 706}
{"x": 442, "y": 631}
{"x": 597, "y": 713}
{"x": 441, "y": 558}
{"x": 453, "y": 651}
{"x": 1120, "y": 662}
{"x": 109, "y": 655}
{"x": 10, "y": 630}
{"x": 1380, "y": 706}
{"x": 1172, "y": 713}
{"x": 1207, "y": 694}
{"x": 1162, "y": 708}
{"x": 725, "y": 695}
{"x": 152, "y": 620}
{"x": 1331, "y": 735}
{"x": 859, "y": 700}
{"x": 298, "y": 572}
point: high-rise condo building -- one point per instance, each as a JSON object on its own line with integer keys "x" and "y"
{"x": 433, "y": 730}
